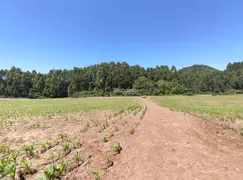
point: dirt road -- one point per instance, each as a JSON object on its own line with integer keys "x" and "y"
{"x": 171, "y": 145}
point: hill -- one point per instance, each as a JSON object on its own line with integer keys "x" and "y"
{"x": 193, "y": 76}
{"x": 197, "y": 69}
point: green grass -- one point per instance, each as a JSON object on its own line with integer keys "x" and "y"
{"x": 228, "y": 107}
{"x": 49, "y": 107}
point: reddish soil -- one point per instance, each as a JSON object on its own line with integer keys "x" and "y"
{"x": 171, "y": 145}
{"x": 166, "y": 145}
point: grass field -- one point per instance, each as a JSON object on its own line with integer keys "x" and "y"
{"x": 49, "y": 139}
{"x": 227, "y": 108}
{"x": 49, "y": 107}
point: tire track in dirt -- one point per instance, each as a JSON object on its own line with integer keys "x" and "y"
{"x": 170, "y": 145}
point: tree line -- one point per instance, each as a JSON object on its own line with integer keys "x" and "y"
{"x": 107, "y": 79}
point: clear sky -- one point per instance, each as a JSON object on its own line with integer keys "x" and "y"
{"x": 47, "y": 34}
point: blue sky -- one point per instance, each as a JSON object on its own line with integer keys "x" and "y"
{"x": 47, "y": 34}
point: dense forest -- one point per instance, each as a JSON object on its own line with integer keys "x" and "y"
{"x": 110, "y": 79}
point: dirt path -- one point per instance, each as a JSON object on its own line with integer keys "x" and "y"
{"x": 171, "y": 145}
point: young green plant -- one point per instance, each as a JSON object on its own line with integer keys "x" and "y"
{"x": 77, "y": 157}
{"x": 27, "y": 166}
{"x": 66, "y": 147}
{"x": 30, "y": 149}
{"x": 132, "y": 130}
{"x": 96, "y": 175}
{"x": 12, "y": 170}
{"x": 117, "y": 147}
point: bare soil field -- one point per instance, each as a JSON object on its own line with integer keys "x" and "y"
{"x": 146, "y": 142}
{"x": 171, "y": 145}
{"x": 71, "y": 145}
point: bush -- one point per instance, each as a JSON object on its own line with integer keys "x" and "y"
{"x": 232, "y": 91}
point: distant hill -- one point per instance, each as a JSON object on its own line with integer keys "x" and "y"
{"x": 195, "y": 69}
{"x": 193, "y": 76}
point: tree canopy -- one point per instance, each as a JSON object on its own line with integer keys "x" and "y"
{"x": 101, "y": 80}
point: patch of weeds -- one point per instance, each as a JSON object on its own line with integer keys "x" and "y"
{"x": 5, "y": 148}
